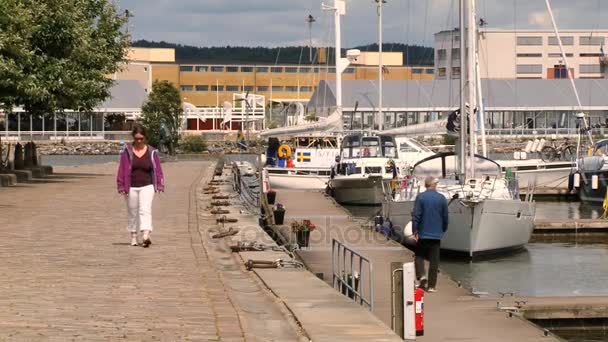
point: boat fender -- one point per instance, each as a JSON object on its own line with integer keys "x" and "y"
{"x": 577, "y": 180}
{"x": 541, "y": 145}
{"x": 408, "y": 235}
{"x": 528, "y": 146}
{"x": 535, "y": 145}
{"x": 284, "y": 151}
{"x": 594, "y": 182}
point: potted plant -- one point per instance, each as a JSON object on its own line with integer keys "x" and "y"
{"x": 271, "y": 195}
{"x": 279, "y": 213}
{"x": 302, "y": 230}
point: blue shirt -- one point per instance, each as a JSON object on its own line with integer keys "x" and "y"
{"x": 430, "y": 215}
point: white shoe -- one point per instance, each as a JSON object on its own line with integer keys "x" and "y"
{"x": 423, "y": 282}
{"x": 431, "y": 289}
{"x": 134, "y": 240}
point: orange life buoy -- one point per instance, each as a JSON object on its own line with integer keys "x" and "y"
{"x": 284, "y": 151}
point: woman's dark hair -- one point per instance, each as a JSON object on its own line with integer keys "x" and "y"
{"x": 138, "y": 129}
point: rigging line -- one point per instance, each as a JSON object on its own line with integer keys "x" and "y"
{"x": 424, "y": 30}
{"x": 434, "y": 82}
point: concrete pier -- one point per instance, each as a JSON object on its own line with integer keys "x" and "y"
{"x": 452, "y": 313}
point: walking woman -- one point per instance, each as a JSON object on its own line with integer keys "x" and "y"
{"x": 139, "y": 177}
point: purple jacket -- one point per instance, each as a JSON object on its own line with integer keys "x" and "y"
{"x": 123, "y": 178}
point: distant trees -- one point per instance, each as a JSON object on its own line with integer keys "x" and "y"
{"x": 57, "y": 54}
{"x": 413, "y": 54}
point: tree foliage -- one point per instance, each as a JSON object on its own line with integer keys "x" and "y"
{"x": 162, "y": 115}
{"x": 57, "y": 55}
{"x": 412, "y": 54}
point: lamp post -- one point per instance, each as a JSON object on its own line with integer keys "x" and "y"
{"x": 310, "y": 19}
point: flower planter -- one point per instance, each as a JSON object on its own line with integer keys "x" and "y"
{"x": 303, "y": 238}
{"x": 271, "y": 196}
{"x": 279, "y": 216}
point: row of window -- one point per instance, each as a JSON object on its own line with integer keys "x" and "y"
{"x": 260, "y": 69}
{"x": 566, "y": 41}
{"x": 538, "y": 69}
{"x": 558, "y": 55}
{"x": 235, "y": 88}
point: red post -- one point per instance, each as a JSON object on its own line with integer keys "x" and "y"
{"x": 419, "y": 310}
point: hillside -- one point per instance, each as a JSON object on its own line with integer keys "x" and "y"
{"x": 413, "y": 54}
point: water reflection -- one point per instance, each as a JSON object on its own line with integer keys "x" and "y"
{"x": 569, "y": 268}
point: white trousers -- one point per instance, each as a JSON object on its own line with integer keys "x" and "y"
{"x": 139, "y": 208}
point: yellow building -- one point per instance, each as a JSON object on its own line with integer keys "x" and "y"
{"x": 211, "y": 85}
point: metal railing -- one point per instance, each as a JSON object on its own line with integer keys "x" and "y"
{"x": 353, "y": 274}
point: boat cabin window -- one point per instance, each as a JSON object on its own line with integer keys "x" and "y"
{"x": 370, "y": 147}
{"x": 316, "y": 142}
{"x": 389, "y": 148}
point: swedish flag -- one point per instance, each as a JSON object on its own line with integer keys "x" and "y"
{"x": 303, "y": 157}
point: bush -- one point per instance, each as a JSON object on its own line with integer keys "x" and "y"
{"x": 193, "y": 144}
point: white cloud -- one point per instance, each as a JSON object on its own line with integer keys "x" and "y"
{"x": 282, "y": 22}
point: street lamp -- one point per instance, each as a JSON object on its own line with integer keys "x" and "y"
{"x": 310, "y": 19}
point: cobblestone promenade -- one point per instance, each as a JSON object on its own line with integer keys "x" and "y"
{"x": 68, "y": 273}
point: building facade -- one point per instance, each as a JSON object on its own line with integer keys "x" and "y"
{"x": 525, "y": 54}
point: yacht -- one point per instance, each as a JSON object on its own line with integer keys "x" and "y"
{"x": 366, "y": 166}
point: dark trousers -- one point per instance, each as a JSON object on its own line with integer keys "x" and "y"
{"x": 428, "y": 249}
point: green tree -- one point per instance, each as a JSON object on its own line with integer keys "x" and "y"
{"x": 162, "y": 115}
{"x": 57, "y": 55}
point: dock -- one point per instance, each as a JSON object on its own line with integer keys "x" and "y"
{"x": 570, "y": 226}
{"x": 453, "y": 313}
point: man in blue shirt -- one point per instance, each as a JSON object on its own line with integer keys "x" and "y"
{"x": 429, "y": 223}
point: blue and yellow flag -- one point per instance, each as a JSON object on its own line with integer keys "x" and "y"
{"x": 303, "y": 157}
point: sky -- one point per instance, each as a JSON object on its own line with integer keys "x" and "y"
{"x": 283, "y": 22}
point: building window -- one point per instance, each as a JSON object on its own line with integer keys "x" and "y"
{"x": 430, "y": 71}
{"x": 455, "y": 71}
{"x": 248, "y": 88}
{"x": 441, "y": 54}
{"x": 232, "y": 69}
{"x": 276, "y": 69}
{"x": 306, "y": 89}
{"x": 233, "y": 88}
{"x": 277, "y": 88}
{"x": 305, "y": 70}
{"x": 529, "y": 40}
{"x": 291, "y": 89}
{"x": 185, "y": 68}
{"x": 417, "y": 71}
{"x": 591, "y": 40}
{"x": 590, "y": 69}
{"x": 455, "y": 53}
{"x": 262, "y": 89}
{"x": 187, "y": 88}
{"x": 217, "y": 68}
{"x": 332, "y": 70}
{"x": 217, "y": 88}
{"x": 246, "y": 69}
{"x": 201, "y": 68}
{"x": 202, "y": 88}
{"x": 349, "y": 71}
{"x": 526, "y": 55}
{"x": 566, "y": 41}
{"x": 559, "y": 55}
{"x": 529, "y": 68}
{"x": 291, "y": 70}
{"x": 145, "y": 69}
{"x": 590, "y": 54}
{"x": 456, "y": 38}
{"x": 261, "y": 69}
{"x": 441, "y": 72}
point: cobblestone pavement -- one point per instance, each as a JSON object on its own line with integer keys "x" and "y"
{"x": 68, "y": 273}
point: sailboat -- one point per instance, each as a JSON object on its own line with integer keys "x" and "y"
{"x": 486, "y": 214}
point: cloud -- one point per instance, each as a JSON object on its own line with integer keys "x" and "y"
{"x": 282, "y": 22}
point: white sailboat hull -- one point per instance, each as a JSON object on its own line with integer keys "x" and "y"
{"x": 490, "y": 226}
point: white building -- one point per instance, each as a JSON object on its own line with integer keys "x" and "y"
{"x": 524, "y": 54}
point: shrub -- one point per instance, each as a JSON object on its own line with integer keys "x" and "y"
{"x": 193, "y": 143}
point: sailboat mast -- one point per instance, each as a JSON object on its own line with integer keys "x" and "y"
{"x": 380, "y": 67}
{"x": 462, "y": 141}
{"x": 339, "y": 9}
{"x": 471, "y": 89}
